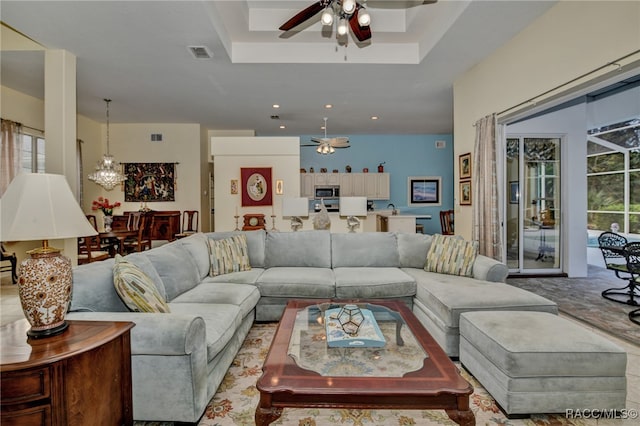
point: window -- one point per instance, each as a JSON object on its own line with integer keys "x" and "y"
{"x": 613, "y": 173}
{"x": 33, "y": 153}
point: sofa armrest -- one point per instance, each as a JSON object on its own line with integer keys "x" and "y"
{"x": 156, "y": 334}
{"x": 488, "y": 269}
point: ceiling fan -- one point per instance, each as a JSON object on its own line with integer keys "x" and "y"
{"x": 345, "y": 10}
{"x": 351, "y": 11}
{"x": 328, "y": 145}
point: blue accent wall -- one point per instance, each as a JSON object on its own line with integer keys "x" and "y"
{"x": 403, "y": 155}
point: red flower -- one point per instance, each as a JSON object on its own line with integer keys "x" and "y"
{"x": 104, "y": 205}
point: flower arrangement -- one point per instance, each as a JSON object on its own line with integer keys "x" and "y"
{"x": 103, "y": 204}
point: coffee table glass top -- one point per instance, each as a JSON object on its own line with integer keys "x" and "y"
{"x": 401, "y": 352}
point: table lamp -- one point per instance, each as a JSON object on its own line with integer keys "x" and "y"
{"x": 38, "y": 206}
{"x": 295, "y": 208}
{"x": 353, "y": 207}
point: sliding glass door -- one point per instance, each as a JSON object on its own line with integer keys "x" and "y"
{"x": 532, "y": 224}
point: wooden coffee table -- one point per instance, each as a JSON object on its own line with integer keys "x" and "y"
{"x": 410, "y": 372}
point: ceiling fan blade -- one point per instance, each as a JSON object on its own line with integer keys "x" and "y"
{"x": 319, "y": 140}
{"x": 361, "y": 33}
{"x": 303, "y": 15}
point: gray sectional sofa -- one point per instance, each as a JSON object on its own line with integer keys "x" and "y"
{"x": 180, "y": 358}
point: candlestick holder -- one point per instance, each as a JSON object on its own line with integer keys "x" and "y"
{"x": 237, "y": 229}
{"x": 273, "y": 223}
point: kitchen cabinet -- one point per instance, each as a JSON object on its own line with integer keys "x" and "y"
{"x": 374, "y": 186}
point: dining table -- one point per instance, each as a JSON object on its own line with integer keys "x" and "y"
{"x": 116, "y": 237}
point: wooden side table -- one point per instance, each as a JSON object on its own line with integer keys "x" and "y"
{"x": 80, "y": 377}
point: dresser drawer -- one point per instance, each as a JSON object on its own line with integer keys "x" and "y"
{"x": 25, "y": 386}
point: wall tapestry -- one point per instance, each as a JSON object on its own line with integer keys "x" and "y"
{"x": 256, "y": 186}
{"x": 149, "y": 182}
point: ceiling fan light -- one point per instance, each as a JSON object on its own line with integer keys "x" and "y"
{"x": 349, "y": 6}
{"x": 327, "y": 17}
{"x": 364, "y": 19}
{"x": 342, "y": 27}
{"x": 331, "y": 149}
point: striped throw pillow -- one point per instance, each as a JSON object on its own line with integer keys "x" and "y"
{"x": 136, "y": 289}
{"x": 229, "y": 255}
{"x": 451, "y": 255}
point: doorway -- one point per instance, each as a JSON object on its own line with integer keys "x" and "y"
{"x": 533, "y": 211}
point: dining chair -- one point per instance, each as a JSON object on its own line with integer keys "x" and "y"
{"x": 142, "y": 240}
{"x": 13, "y": 264}
{"x": 446, "y": 222}
{"x": 90, "y": 250}
{"x": 190, "y": 222}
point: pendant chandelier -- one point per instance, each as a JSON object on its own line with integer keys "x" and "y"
{"x": 107, "y": 174}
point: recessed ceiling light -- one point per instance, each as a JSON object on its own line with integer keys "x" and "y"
{"x": 374, "y": 117}
{"x": 328, "y": 106}
{"x": 283, "y": 126}
{"x": 276, "y": 106}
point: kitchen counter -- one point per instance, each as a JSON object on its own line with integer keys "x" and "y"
{"x": 386, "y": 221}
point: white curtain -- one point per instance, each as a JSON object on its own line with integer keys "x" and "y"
{"x": 10, "y": 153}
{"x": 486, "y": 207}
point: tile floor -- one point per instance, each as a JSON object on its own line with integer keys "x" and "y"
{"x": 10, "y": 310}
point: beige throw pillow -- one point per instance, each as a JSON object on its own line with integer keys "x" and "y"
{"x": 136, "y": 289}
{"x": 451, "y": 255}
{"x": 229, "y": 255}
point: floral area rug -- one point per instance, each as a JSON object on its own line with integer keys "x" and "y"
{"x": 237, "y": 398}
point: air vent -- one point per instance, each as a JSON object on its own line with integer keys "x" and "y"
{"x": 156, "y": 137}
{"x": 200, "y": 52}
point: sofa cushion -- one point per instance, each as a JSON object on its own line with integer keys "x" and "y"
{"x": 297, "y": 282}
{"x": 375, "y": 249}
{"x": 451, "y": 255}
{"x": 255, "y": 244}
{"x": 446, "y": 296}
{"x": 298, "y": 249}
{"x": 245, "y": 296}
{"x": 93, "y": 289}
{"x": 229, "y": 255}
{"x": 375, "y": 283}
{"x": 136, "y": 289}
{"x": 142, "y": 261}
{"x": 221, "y": 321}
{"x": 176, "y": 268}
{"x": 413, "y": 249}
{"x": 242, "y": 277}
{"x": 196, "y": 245}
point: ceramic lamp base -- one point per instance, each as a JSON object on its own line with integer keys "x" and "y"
{"x": 44, "y": 287}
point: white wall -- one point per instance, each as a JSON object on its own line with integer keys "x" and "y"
{"x": 232, "y": 153}
{"x": 571, "y": 39}
{"x": 131, "y": 143}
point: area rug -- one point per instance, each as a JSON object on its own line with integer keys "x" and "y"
{"x": 235, "y": 402}
{"x": 581, "y": 298}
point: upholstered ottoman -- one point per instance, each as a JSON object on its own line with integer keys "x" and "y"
{"x": 537, "y": 362}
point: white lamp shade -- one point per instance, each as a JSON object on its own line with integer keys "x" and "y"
{"x": 327, "y": 17}
{"x": 364, "y": 19}
{"x": 342, "y": 27}
{"x": 38, "y": 206}
{"x": 349, "y": 6}
{"x": 295, "y": 207}
{"x": 353, "y": 206}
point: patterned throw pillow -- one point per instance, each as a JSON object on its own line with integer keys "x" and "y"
{"x": 229, "y": 255}
{"x": 451, "y": 255}
{"x": 136, "y": 289}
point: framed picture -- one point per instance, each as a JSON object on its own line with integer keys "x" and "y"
{"x": 279, "y": 187}
{"x": 514, "y": 192}
{"x": 465, "y": 166}
{"x": 465, "y": 193}
{"x": 234, "y": 186}
{"x": 424, "y": 191}
{"x": 256, "y": 186}
{"x": 149, "y": 182}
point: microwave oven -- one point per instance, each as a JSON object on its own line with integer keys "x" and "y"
{"x": 327, "y": 191}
